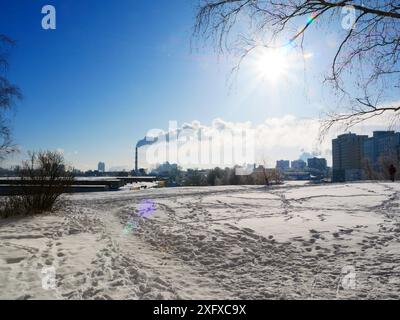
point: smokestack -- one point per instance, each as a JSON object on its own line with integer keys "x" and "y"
{"x": 136, "y": 160}
{"x": 144, "y": 142}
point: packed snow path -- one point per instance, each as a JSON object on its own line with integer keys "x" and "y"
{"x": 245, "y": 242}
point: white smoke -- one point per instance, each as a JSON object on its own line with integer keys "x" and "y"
{"x": 238, "y": 143}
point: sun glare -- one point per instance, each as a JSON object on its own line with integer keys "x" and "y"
{"x": 271, "y": 64}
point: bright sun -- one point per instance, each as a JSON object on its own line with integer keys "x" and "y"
{"x": 271, "y": 64}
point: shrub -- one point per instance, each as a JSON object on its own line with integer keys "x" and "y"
{"x": 42, "y": 179}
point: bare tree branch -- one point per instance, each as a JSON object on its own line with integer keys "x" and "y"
{"x": 368, "y": 53}
{"x": 9, "y": 93}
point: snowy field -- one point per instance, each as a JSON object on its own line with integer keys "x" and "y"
{"x": 243, "y": 242}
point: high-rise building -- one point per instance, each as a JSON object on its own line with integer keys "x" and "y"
{"x": 298, "y": 165}
{"x": 382, "y": 145}
{"x": 355, "y": 157}
{"x": 319, "y": 164}
{"x": 101, "y": 167}
{"x": 347, "y": 152}
{"x": 283, "y": 165}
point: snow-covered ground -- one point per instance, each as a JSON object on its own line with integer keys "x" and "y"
{"x": 139, "y": 186}
{"x": 244, "y": 242}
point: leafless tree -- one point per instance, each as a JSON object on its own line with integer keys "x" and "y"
{"x": 275, "y": 175}
{"x": 385, "y": 161}
{"x": 42, "y": 180}
{"x": 370, "y": 172}
{"x": 380, "y": 170}
{"x": 9, "y": 93}
{"x": 368, "y": 50}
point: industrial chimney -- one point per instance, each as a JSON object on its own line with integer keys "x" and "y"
{"x": 136, "y": 160}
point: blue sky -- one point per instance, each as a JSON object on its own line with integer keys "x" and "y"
{"x": 112, "y": 70}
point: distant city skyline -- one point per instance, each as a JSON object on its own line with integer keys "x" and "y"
{"x": 97, "y": 84}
